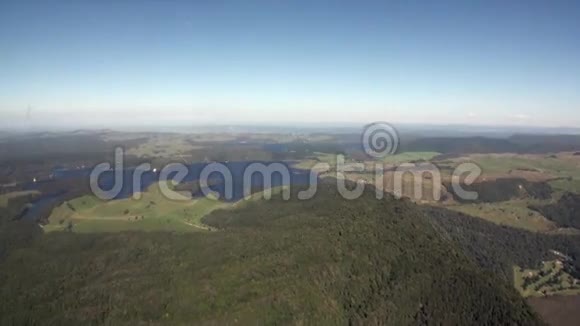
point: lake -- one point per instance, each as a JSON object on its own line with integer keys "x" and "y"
{"x": 298, "y": 177}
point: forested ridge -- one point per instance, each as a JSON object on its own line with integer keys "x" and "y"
{"x": 322, "y": 261}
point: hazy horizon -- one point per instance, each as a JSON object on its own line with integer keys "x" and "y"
{"x": 453, "y": 130}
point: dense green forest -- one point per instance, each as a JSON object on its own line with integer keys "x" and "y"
{"x": 498, "y": 248}
{"x": 321, "y": 261}
{"x": 565, "y": 212}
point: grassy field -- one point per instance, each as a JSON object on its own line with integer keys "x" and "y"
{"x": 534, "y": 168}
{"x": 164, "y": 145}
{"x": 514, "y": 213}
{"x": 409, "y": 157}
{"x": 153, "y": 212}
{"x": 6, "y": 197}
{"x": 554, "y": 165}
{"x": 390, "y": 159}
{"x": 572, "y": 185}
{"x": 550, "y": 279}
{"x": 369, "y": 176}
{"x": 316, "y": 158}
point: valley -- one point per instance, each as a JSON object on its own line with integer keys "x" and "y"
{"x": 506, "y": 238}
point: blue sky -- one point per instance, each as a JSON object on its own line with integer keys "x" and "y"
{"x": 118, "y": 62}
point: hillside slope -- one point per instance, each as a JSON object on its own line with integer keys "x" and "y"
{"x": 565, "y": 213}
{"x": 498, "y": 248}
{"x": 322, "y": 261}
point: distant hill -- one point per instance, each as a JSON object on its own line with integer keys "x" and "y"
{"x": 321, "y": 261}
{"x": 519, "y": 143}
